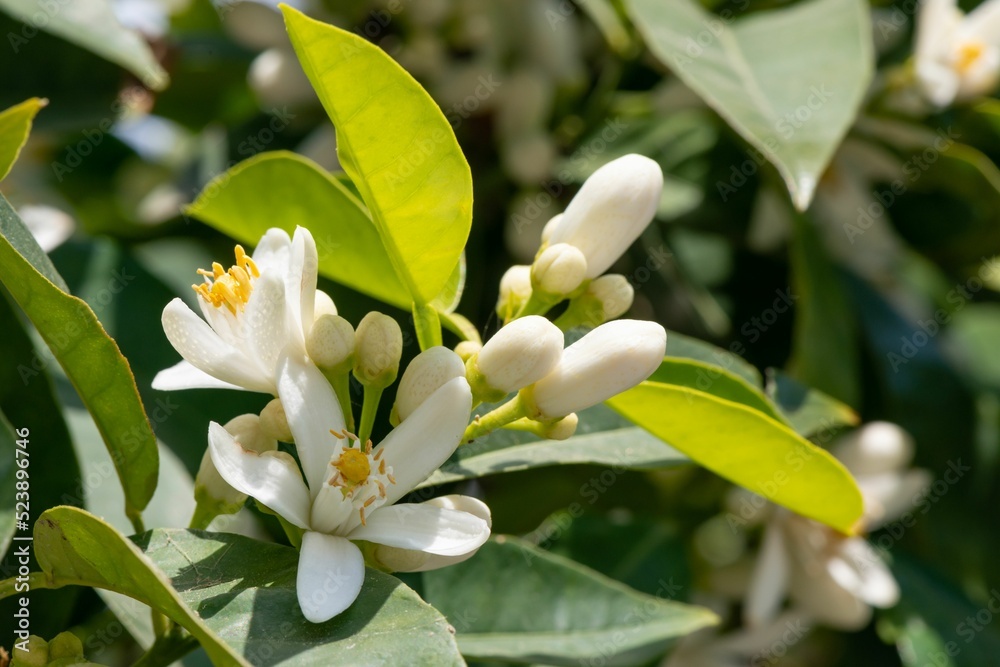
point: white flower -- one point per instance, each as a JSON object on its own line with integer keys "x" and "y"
{"x": 251, "y": 313}
{"x": 610, "y": 359}
{"x": 521, "y": 353}
{"x": 428, "y": 372}
{"x": 831, "y": 577}
{"x": 957, "y": 57}
{"x": 515, "y": 288}
{"x": 610, "y": 211}
{"x": 350, "y": 488}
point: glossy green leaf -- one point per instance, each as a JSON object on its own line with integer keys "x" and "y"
{"x": 514, "y": 602}
{"x": 281, "y": 189}
{"x": 91, "y": 359}
{"x": 397, "y": 147}
{"x": 8, "y": 468}
{"x": 716, "y": 381}
{"x": 245, "y": 591}
{"x": 747, "y": 448}
{"x": 809, "y": 411}
{"x": 679, "y": 345}
{"x": 602, "y": 438}
{"x": 91, "y": 24}
{"x": 76, "y": 548}
{"x": 15, "y": 125}
{"x": 790, "y": 81}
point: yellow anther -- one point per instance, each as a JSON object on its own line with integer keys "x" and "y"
{"x": 968, "y": 54}
{"x": 369, "y": 501}
{"x": 381, "y": 467}
{"x": 381, "y": 488}
{"x": 353, "y": 465}
{"x": 230, "y": 288}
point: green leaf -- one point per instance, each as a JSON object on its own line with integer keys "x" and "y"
{"x": 602, "y": 438}
{"x": 8, "y": 469}
{"x": 397, "y": 147}
{"x": 807, "y": 410}
{"x": 790, "y": 81}
{"x": 825, "y": 346}
{"x": 679, "y": 345}
{"x": 245, "y": 590}
{"x": 552, "y": 610}
{"x": 76, "y": 548}
{"x": 91, "y": 359}
{"x": 91, "y": 24}
{"x": 15, "y": 125}
{"x": 747, "y": 448}
{"x": 282, "y": 189}
{"x": 716, "y": 381}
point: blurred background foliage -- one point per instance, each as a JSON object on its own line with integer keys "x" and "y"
{"x": 540, "y": 93}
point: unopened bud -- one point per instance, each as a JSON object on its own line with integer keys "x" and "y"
{"x": 877, "y": 447}
{"x": 564, "y": 428}
{"x": 36, "y": 655}
{"x": 377, "y": 351}
{"x": 331, "y": 343}
{"x": 610, "y": 359}
{"x": 65, "y": 645}
{"x": 210, "y": 489}
{"x": 521, "y": 353}
{"x": 515, "y": 289}
{"x": 614, "y": 292}
{"x": 274, "y": 422}
{"x": 610, "y": 211}
{"x": 467, "y": 348}
{"x": 427, "y": 373}
{"x": 558, "y": 270}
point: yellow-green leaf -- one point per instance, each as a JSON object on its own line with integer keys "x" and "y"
{"x": 748, "y": 448}
{"x": 397, "y": 147}
{"x": 15, "y": 125}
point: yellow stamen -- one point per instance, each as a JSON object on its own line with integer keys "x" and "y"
{"x": 381, "y": 467}
{"x": 392, "y": 480}
{"x": 354, "y": 466}
{"x": 369, "y": 501}
{"x": 362, "y": 512}
{"x": 968, "y": 54}
{"x": 381, "y": 488}
{"x": 230, "y": 288}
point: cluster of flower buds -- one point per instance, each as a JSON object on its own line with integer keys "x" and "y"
{"x": 605, "y": 217}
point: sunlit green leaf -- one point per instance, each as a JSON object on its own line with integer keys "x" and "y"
{"x": 748, "y": 448}
{"x": 91, "y": 24}
{"x": 554, "y": 610}
{"x": 397, "y": 147}
{"x": 15, "y": 125}
{"x": 809, "y": 411}
{"x": 91, "y": 359}
{"x": 789, "y": 80}
{"x": 718, "y": 382}
{"x": 679, "y": 345}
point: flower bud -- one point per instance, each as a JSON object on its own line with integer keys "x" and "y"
{"x": 378, "y": 348}
{"x": 210, "y": 489}
{"x": 550, "y": 228}
{"x": 610, "y": 359}
{"x": 564, "y": 428}
{"x": 276, "y": 77}
{"x": 521, "y": 353}
{"x": 610, "y": 211}
{"x": 558, "y": 270}
{"x": 427, "y": 373}
{"x": 614, "y": 293}
{"x": 467, "y": 348}
{"x": 330, "y": 343}
{"x": 66, "y": 645}
{"x": 36, "y": 655}
{"x": 875, "y": 448}
{"x": 274, "y": 423}
{"x": 515, "y": 289}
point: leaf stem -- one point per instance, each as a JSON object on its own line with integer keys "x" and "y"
{"x": 135, "y": 516}
{"x": 167, "y": 649}
{"x": 35, "y": 580}
{"x": 509, "y": 412}
{"x": 428, "y": 325}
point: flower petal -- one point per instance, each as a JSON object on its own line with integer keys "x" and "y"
{"x": 272, "y": 478}
{"x": 418, "y": 446}
{"x": 330, "y": 509}
{"x": 407, "y": 560}
{"x": 770, "y": 578}
{"x": 266, "y": 328}
{"x": 859, "y": 569}
{"x": 312, "y": 411}
{"x": 424, "y": 527}
{"x": 302, "y": 279}
{"x": 199, "y": 344}
{"x": 331, "y": 572}
{"x": 273, "y": 253}
{"x": 183, "y": 375}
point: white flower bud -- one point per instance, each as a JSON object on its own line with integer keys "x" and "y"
{"x": 515, "y": 289}
{"x": 610, "y": 211}
{"x": 550, "y": 228}
{"x": 428, "y": 372}
{"x": 331, "y": 343}
{"x": 378, "y": 348}
{"x": 615, "y": 294}
{"x": 274, "y": 422}
{"x": 521, "y": 353}
{"x": 209, "y": 486}
{"x": 558, "y": 270}
{"x": 564, "y": 428}
{"x": 610, "y": 359}
{"x": 875, "y": 448}
{"x": 276, "y": 77}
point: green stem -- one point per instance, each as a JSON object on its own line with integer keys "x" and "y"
{"x": 509, "y": 412}
{"x": 135, "y": 516}
{"x": 368, "y": 409}
{"x": 342, "y": 387}
{"x": 537, "y": 304}
{"x": 35, "y": 580}
{"x": 161, "y": 624}
{"x": 204, "y": 512}
{"x": 428, "y": 325}
{"x": 167, "y": 650}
